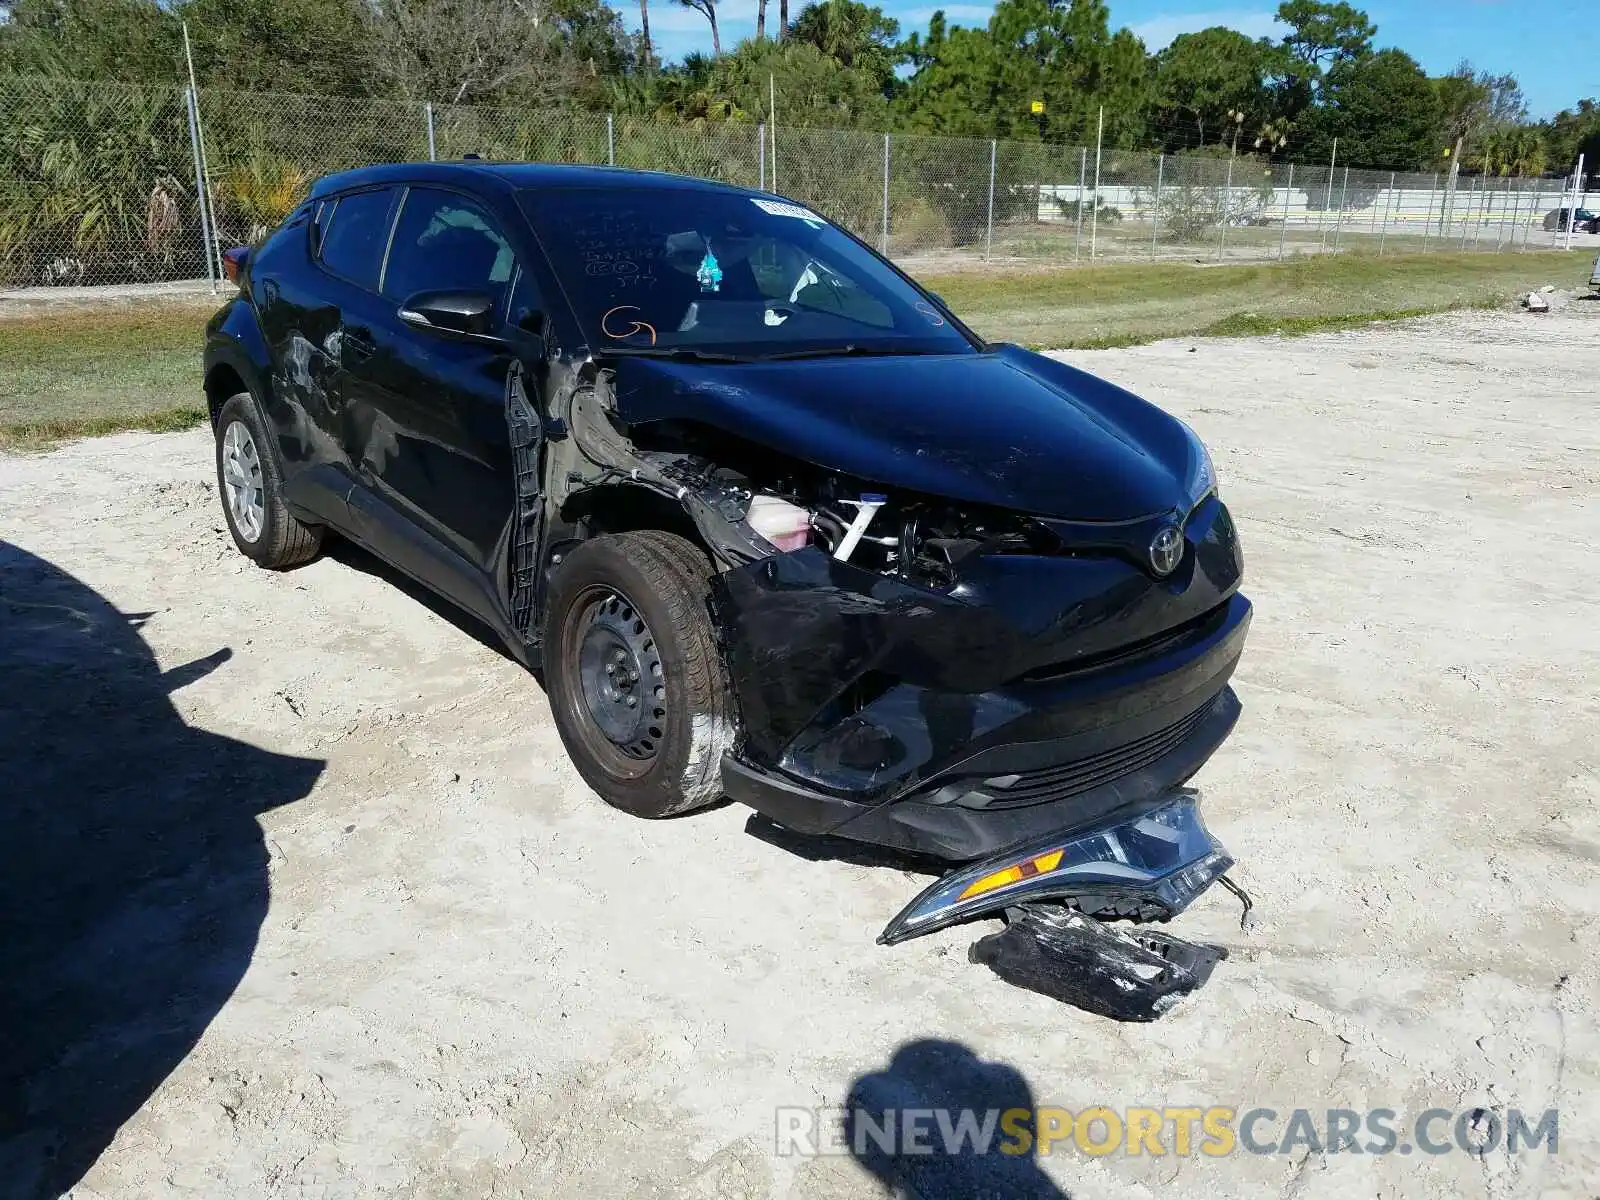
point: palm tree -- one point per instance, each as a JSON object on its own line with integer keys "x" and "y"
{"x": 783, "y": 19}
{"x": 1514, "y": 150}
{"x": 644, "y": 31}
{"x": 708, "y": 9}
{"x": 761, "y": 19}
{"x": 1529, "y": 154}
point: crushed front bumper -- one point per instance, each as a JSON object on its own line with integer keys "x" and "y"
{"x": 1069, "y": 752}
{"x": 1040, "y": 694}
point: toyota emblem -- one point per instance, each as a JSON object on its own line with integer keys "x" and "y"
{"x": 1166, "y": 550}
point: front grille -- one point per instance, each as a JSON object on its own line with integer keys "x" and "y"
{"x": 1069, "y": 779}
{"x": 1149, "y": 647}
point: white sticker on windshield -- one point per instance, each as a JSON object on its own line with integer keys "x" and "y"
{"x": 779, "y": 209}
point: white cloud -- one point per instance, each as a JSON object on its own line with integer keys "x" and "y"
{"x": 1158, "y": 32}
{"x": 674, "y": 18}
{"x": 676, "y": 29}
{"x": 954, "y": 14}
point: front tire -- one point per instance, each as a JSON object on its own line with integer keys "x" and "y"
{"x": 250, "y": 485}
{"x": 636, "y": 680}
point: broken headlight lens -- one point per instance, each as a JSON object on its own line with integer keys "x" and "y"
{"x": 1148, "y": 865}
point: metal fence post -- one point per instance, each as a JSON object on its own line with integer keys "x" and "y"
{"x": 1327, "y": 199}
{"x": 1083, "y": 168}
{"x": 208, "y": 215}
{"x": 1388, "y": 199}
{"x": 1466, "y": 217}
{"x": 1155, "y": 216}
{"x": 988, "y": 232}
{"x": 427, "y": 112}
{"x": 1447, "y": 202}
{"x": 1427, "y": 226}
{"x": 1094, "y": 213}
{"x": 885, "y": 247}
{"x": 611, "y": 141}
{"x": 1372, "y": 226}
{"x": 205, "y": 173}
{"x": 199, "y": 184}
{"x": 761, "y": 156}
{"x": 1516, "y": 210}
{"x": 1338, "y": 224}
{"x": 1283, "y": 230}
{"x": 1572, "y": 207}
{"x": 1227, "y": 205}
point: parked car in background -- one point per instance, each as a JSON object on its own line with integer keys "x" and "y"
{"x": 1583, "y": 221}
{"x": 771, "y": 521}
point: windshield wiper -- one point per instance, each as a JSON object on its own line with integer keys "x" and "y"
{"x": 685, "y": 352}
{"x": 843, "y": 352}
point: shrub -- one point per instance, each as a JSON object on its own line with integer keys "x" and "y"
{"x": 255, "y": 196}
{"x": 1108, "y": 213}
{"x": 91, "y": 186}
{"x": 915, "y": 224}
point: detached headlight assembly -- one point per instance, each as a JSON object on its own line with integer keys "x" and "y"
{"x": 1148, "y": 865}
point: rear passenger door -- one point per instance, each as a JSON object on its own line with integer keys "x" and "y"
{"x": 426, "y": 413}
{"x": 302, "y": 312}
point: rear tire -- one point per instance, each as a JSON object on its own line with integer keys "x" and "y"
{"x": 250, "y": 486}
{"x": 628, "y": 619}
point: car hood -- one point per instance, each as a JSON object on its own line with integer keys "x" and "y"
{"x": 1005, "y": 427}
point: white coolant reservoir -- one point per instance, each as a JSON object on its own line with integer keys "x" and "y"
{"x": 787, "y": 526}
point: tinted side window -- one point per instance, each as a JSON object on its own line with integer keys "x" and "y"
{"x": 354, "y": 237}
{"x": 444, "y": 241}
{"x": 526, "y": 310}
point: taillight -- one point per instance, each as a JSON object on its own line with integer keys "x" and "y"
{"x": 233, "y": 262}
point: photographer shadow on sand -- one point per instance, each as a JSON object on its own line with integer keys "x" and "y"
{"x": 133, "y": 872}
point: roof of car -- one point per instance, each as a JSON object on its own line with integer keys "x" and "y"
{"x": 516, "y": 175}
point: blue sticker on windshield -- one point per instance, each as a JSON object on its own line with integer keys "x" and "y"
{"x": 710, "y": 273}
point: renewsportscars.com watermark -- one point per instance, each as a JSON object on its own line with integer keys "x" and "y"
{"x": 1212, "y": 1132}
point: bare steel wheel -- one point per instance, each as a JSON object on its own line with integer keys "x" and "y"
{"x": 620, "y": 674}
{"x": 636, "y": 679}
{"x": 250, "y": 482}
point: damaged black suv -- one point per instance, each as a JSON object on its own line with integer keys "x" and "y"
{"x": 769, "y": 519}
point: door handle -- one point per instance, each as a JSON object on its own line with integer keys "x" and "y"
{"x": 358, "y": 345}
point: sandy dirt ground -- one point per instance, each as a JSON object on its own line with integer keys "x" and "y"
{"x": 326, "y": 912}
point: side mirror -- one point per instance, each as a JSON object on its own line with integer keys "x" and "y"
{"x": 459, "y": 314}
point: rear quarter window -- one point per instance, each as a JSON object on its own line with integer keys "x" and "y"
{"x": 354, "y": 235}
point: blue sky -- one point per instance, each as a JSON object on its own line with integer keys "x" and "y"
{"x": 1551, "y": 46}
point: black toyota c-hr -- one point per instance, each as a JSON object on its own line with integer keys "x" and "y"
{"x": 771, "y": 521}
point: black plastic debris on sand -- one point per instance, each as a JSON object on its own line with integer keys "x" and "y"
{"x": 1134, "y": 973}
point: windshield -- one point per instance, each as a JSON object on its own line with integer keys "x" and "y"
{"x": 684, "y": 270}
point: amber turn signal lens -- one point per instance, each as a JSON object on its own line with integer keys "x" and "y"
{"x": 1026, "y": 869}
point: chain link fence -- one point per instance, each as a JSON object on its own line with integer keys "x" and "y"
{"x": 103, "y": 183}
